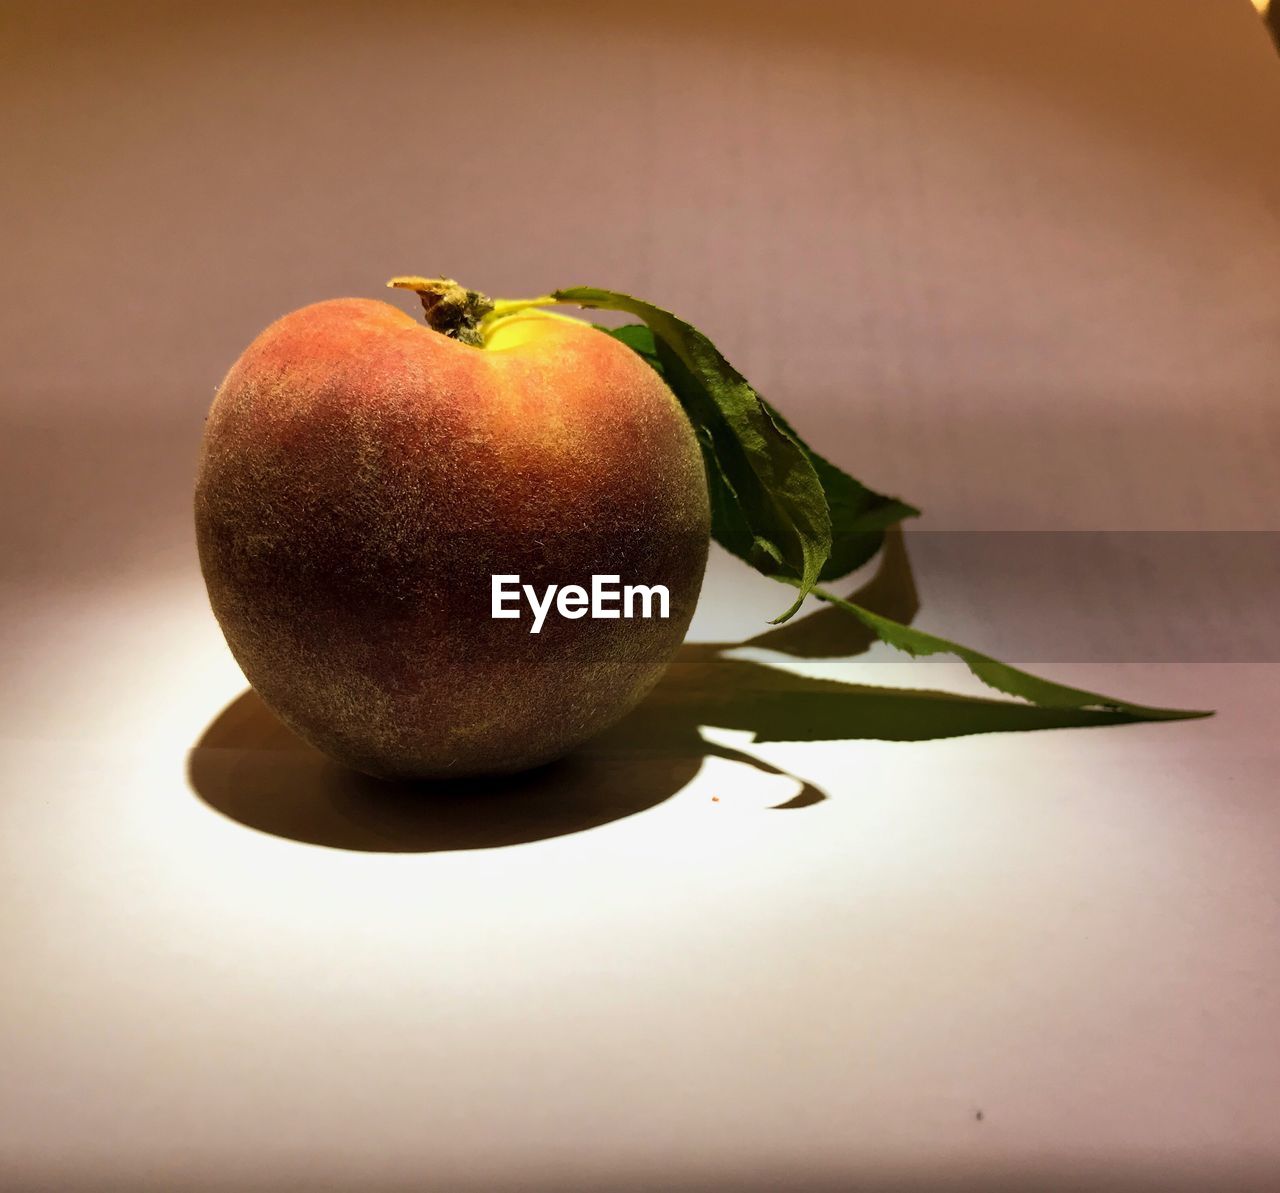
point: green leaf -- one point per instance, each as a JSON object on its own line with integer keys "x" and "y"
{"x": 775, "y": 488}
{"x": 638, "y": 338}
{"x": 1042, "y": 692}
{"x": 859, "y": 515}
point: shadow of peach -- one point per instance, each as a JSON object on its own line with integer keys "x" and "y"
{"x": 250, "y": 767}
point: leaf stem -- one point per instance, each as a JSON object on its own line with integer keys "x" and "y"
{"x": 509, "y": 308}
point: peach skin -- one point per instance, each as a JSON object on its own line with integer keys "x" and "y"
{"x": 363, "y": 477}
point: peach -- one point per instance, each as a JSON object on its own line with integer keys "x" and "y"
{"x": 363, "y": 478}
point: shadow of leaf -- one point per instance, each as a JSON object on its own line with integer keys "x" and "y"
{"x": 830, "y": 633}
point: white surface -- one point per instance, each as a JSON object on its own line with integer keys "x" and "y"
{"x": 1073, "y": 932}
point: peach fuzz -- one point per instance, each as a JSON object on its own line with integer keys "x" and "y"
{"x": 361, "y": 478}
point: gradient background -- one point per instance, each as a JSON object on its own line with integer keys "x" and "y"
{"x": 1016, "y": 261}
